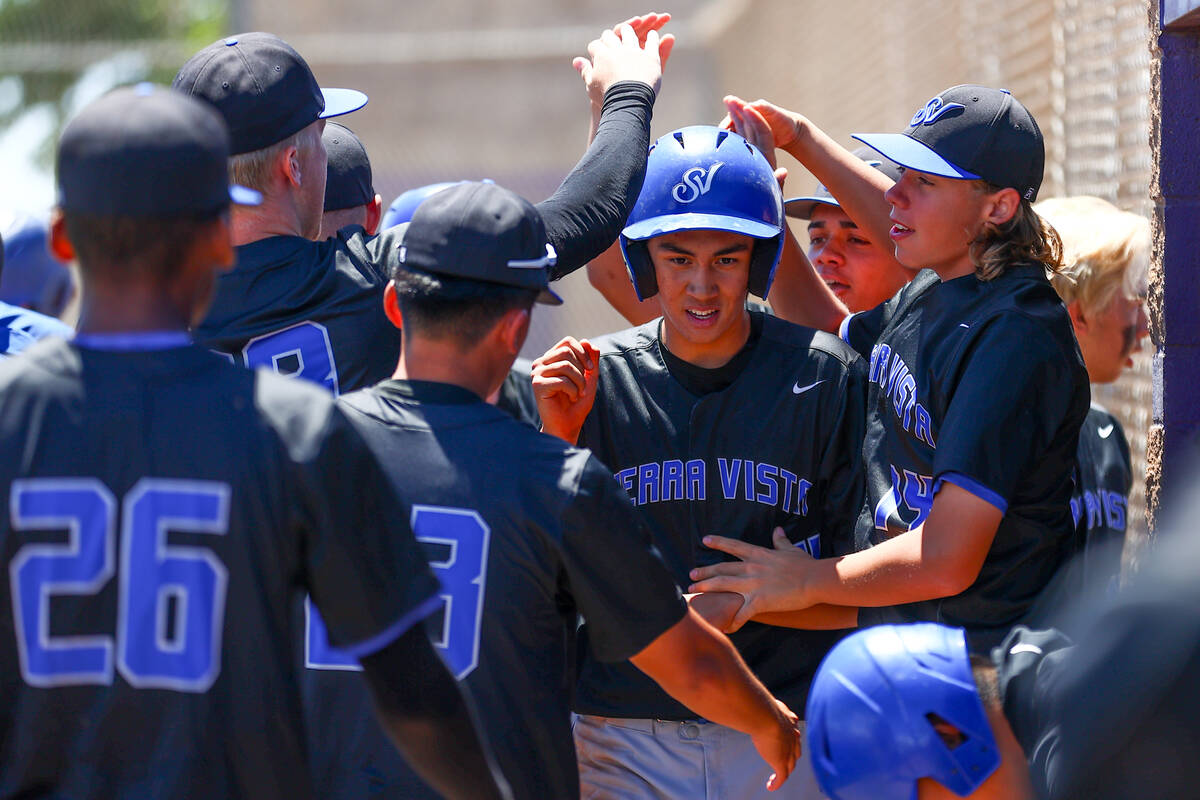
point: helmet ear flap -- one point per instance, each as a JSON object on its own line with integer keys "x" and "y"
{"x": 764, "y": 259}
{"x": 641, "y": 268}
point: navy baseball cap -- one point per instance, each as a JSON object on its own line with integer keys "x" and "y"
{"x": 482, "y": 232}
{"x": 263, "y": 88}
{"x": 971, "y": 132}
{"x": 145, "y": 151}
{"x": 348, "y": 183}
{"x": 802, "y": 207}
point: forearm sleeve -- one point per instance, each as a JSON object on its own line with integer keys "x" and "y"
{"x": 589, "y": 208}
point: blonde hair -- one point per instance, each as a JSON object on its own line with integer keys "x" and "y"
{"x": 253, "y": 169}
{"x": 1105, "y": 250}
{"x": 1024, "y": 239}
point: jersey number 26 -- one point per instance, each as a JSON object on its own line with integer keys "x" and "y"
{"x": 170, "y": 598}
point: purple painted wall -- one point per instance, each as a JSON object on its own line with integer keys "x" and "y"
{"x": 1175, "y": 292}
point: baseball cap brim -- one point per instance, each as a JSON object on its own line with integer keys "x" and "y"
{"x": 911, "y": 154}
{"x": 802, "y": 207}
{"x": 341, "y": 101}
{"x": 656, "y": 226}
{"x": 548, "y": 298}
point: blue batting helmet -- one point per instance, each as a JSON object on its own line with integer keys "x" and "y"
{"x": 402, "y": 208}
{"x": 870, "y": 712}
{"x": 704, "y": 178}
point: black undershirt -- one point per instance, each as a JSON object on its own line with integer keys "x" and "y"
{"x": 700, "y": 380}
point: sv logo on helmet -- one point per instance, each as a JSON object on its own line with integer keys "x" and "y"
{"x": 932, "y": 111}
{"x": 694, "y": 183}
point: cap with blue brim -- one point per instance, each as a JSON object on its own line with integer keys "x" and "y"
{"x": 145, "y": 151}
{"x": 970, "y": 132}
{"x": 803, "y": 207}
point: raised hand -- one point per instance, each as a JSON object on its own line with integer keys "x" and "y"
{"x": 564, "y": 386}
{"x": 749, "y": 123}
{"x": 785, "y": 125}
{"x": 631, "y": 51}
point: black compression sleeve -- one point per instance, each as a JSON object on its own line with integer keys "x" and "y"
{"x": 589, "y": 208}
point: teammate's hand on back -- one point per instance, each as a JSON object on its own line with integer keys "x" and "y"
{"x": 770, "y": 579}
{"x": 564, "y": 385}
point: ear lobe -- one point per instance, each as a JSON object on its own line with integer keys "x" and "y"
{"x": 291, "y": 166}
{"x": 391, "y": 306}
{"x": 1078, "y": 319}
{"x": 60, "y": 245}
{"x": 1003, "y": 206}
{"x": 515, "y": 327}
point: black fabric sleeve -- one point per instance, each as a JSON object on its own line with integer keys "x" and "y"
{"x": 589, "y": 208}
{"x": 1009, "y": 401}
{"x": 361, "y": 563}
{"x": 615, "y": 574}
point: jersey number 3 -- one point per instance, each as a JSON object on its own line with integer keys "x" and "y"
{"x": 170, "y": 598}
{"x": 457, "y": 540}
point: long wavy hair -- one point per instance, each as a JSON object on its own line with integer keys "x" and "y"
{"x": 1024, "y": 239}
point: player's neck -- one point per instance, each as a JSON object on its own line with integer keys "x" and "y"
{"x": 262, "y": 222}
{"x": 445, "y": 362}
{"x": 128, "y": 309}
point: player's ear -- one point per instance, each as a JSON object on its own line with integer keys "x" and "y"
{"x": 391, "y": 305}
{"x": 1078, "y": 317}
{"x": 1002, "y": 206}
{"x": 60, "y": 244}
{"x": 512, "y": 329}
{"x": 374, "y": 216}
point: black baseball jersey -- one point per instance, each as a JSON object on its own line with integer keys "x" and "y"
{"x": 165, "y": 507}
{"x": 309, "y": 309}
{"x": 979, "y": 383}
{"x": 779, "y": 446}
{"x": 1101, "y": 498}
{"x": 526, "y": 534}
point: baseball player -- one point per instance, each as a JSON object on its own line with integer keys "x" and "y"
{"x": 33, "y": 278}
{"x": 903, "y": 712}
{"x": 714, "y": 419}
{"x": 164, "y": 506}
{"x": 20, "y": 327}
{"x": 1106, "y": 254}
{"x": 525, "y": 532}
{"x": 976, "y": 387}
{"x": 313, "y": 308}
{"x": 350, "y": 196}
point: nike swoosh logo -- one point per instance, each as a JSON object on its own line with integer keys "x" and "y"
{"x": 1105, "y": 432}
{"x": 1025, "y": 648}
{"x": 798, "y": 389}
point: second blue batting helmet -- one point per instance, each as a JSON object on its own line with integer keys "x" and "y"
{"x": 872, "y": 708}
{"x": 705, "y": 178}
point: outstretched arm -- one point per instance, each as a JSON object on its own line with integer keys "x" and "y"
{"x": 426, "y": 715}
{"x": 799, "y": 292}
{"x": 585, "y": 214}
{"x": 940, "y": 558}
{"x": 700, "y": 668}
